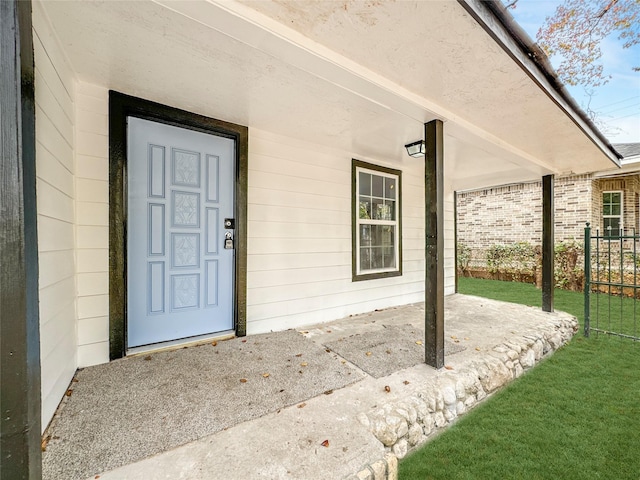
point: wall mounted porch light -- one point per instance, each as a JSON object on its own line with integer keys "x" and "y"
{"x": 416, "y": 149}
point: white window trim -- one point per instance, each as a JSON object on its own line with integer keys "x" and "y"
{"x": 395, "y": 223}
{"x": 620, "y": 217}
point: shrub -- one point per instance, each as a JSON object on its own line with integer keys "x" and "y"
{"x": 515, "y": 258}
{"x": 569, "y": 274}
{"x": 463, "y": 257}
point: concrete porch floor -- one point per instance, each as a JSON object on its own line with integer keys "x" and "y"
{"x": 339, "y": 400}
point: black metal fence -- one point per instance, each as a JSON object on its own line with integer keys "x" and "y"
{"x": 611, "y": 282}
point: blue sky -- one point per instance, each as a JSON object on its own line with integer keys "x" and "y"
{"x": 617, "y": 102}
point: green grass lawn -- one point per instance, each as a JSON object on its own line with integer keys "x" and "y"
{"x": 574, "y": 416}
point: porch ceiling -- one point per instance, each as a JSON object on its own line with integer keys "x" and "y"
{"x": 362, "y": 76}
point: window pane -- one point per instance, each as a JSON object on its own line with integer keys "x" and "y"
{"x": 391, "y": 206}
{"x": 382, "y": 235}
{"x": 615, "y": 209}
{"x": 606, "y": 209}
{"x": 376, "y": 235}
{"x": 376, "y": 258}
{"x": 365, "y": 235}
{"x": 365, "y": 258}
{"x": 390, "y": 188}
{"x": 389, "y": 257}
{"x": 365, "y": 183}
{"x": 381, "y": 211}
{"x": 377, "y": 189}
{"x": 365, "y": 208}
{"x": 388, "y": 239}
{"x": 612, "y": 227}
{"x": 606, "y": 197}
{"x": 615, "y": 197}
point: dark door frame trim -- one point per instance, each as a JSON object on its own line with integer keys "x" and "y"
{"x": 120, "y": 107}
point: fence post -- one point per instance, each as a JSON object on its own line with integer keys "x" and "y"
{"x": 587, "y": 278}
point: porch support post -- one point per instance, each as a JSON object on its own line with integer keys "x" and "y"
{"x": 547, "y": 243}
{"x": 434, "y": 248}
{"x": 20, "y": 451}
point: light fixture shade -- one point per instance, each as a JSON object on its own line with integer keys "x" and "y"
{"x": 416, "y": 149}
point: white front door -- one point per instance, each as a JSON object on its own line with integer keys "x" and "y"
{"x": 180, "y": 276}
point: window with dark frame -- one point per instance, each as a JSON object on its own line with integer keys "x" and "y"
{"x": 612, "y": 213}
{"x": 377, "y": 239}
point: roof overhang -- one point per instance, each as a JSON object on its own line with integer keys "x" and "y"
{"x": 359, "y": 76}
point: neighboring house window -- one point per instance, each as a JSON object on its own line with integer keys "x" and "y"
{"x": 612, "y": 213}
{"x": 377, "y": 239}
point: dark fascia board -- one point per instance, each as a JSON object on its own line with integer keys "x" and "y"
{"x": 494, "y": 18}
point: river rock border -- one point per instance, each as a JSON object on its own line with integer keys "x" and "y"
{"x": 406, "y": 423}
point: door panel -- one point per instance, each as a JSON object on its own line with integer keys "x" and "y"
{"x": 179, "y": 275}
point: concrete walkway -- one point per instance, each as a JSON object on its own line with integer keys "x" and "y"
{"x": 341, "y": 400}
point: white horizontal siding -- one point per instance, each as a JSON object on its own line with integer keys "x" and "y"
{"x": 299, "y": 236}
{"x": 449, "y": 244}
{"x": 54, "y": 98}
{"x": 92, "y": 216}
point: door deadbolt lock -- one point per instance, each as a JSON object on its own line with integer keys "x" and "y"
{"x": 228, "y": 241}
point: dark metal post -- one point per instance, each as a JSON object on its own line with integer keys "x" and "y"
{"x": 547, "y": 243}
{"x": 20, "y": 451}
{"x": 434, "y": 249}
{"x": 587, "y": 279}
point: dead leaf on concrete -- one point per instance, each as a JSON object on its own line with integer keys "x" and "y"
{"x": 418, "y": 342}
{"x": 478, "y": 348}
{"x": 325, "y": 443}
{"x": 214, "y": 344}
{"x": 448, "y": 367}
{"x": 68, "y": 392}
{"x": 302, "y": 405}
{"x": 304, "y": 364}
{"x": 265, "y": 375}
{"x": 387, "y": 388}
{"x": 243, "y": 380}
{"x": 466, "y": 338}
{"x": 368, "y": 354}
{"x": 406, "y": 382}
{"x": 328, "y": 392}
{"x": 298, "y": 355}
{"x": 147, "y": 358}
{"x": 388, "y": 352}
{"x": 45, "y": 442}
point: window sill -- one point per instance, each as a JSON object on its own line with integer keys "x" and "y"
{"x": 373, "y": 276}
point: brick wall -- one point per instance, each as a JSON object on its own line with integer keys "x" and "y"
{"x": 513, "y": 213}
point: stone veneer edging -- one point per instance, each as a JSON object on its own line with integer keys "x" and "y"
{"x": 404, "y": 425}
